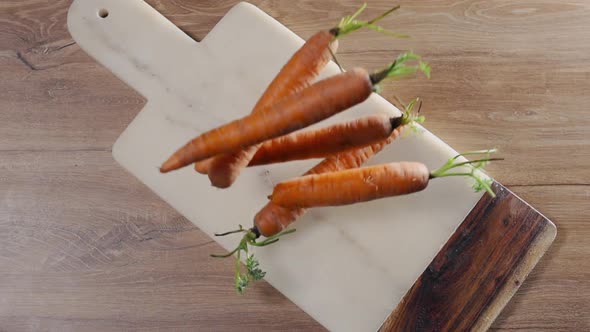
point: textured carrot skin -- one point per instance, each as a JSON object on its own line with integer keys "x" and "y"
{"x": 298, "y": 73}
{"x": 203, "y": 165}
{"x": 273, "y": 218}
{"x": 303, "y": 67}
{"x": 313, "y": 104}
{"x": 325, "y": 141}
{"x": 352, "y": 185}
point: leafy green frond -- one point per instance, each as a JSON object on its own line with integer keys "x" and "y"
{"x": 482, "y": 181}
{"x": 253, "y": 270}
{"x": 253, "y": 267}
{"x": 409, "y": 116}
{"x": 242, "y": 281}
{"x": 486, "y": 152}
{"x": 274, "y": 238}
{"x": 350, "y": 23}
{"x": 400, "y": 68}
{"x": 357, "y": 13}
{"x": 425, "y": 68}
{"x": 385, "y": 31}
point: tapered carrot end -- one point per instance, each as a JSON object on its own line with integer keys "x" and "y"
{"x": 171, "y": 164}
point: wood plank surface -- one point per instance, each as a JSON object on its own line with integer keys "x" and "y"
{"x": 85, "y": 245}
{"x": 478, "y": 270}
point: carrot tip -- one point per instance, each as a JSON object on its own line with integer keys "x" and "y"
{"x": 170, "y": 165}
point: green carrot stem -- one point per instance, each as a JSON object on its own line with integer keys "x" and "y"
{"x": 482, "y": 182}
{"x": 230, "y": 232}
{"x": 399, "y": 68}
{"x": 265, "y": 243}
{"x": 382, "y": 16}
{"x": 409, "y": 117}
{"x": 476, "y": 152}
{"x": 225, "y": 255}
{"x": 472, "y": 162}
{"x": 350, "y": 23}
{"x": 253, "y": 272}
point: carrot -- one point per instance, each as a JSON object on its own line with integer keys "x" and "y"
{"x": 326, "y": 141}
{"x": 301, "y": 69}
{"x": 273, "y": 218}
{"x": 203, "y": 165}
{"x": 352, "y": 186}
{"x": 313, "y": 104}
{"x": 368, "y": 183}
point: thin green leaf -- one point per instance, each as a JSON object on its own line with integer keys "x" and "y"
{"x": 406, "y": 57}
{"x": 253, "y": 268}
{"x": 385, "y": 31}
{"x": 242, "y": 282}
{"x": 350, "y": 23}
{"x": 425, "y": 68}
{"x": 482, "y": 182}
{"x": 358, "y": 12}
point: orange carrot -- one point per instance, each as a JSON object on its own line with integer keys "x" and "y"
{"x": 313, "y": 104}
{"x": 352, "y": 186}
{"x": 410, "y": 177}
{"x": 369, "y": 183}
{"x": 328, "y": 140}
{"x": 298, "y": 73}
{"x": 273, "y": 218}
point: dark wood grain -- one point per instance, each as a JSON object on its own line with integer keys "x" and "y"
{"x": 512, "y": 74}
{"x": 478, "y": 270}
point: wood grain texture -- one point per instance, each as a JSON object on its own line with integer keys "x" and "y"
{"x": 478, "y": 270}
{"x": 84, "y": 246}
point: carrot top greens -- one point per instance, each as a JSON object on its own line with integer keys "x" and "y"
{"x": 411, "y": 117}
{"x": 405, "y": 64}
{"x": 475, "y": 167}
{"x": 253, "y": 271}
{"x": 399, "y": 68}
{"x": 350, "y": 23}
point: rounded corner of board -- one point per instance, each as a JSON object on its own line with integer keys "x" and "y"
{"x": 245, "y": 8}
{"x": 244, "y": 5}
{"x": 551, "y": 231}
{"x": 71, "y": 16}
{"x": 115, "y": 152}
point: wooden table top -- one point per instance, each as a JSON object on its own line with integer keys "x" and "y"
{"x": 84, "y": 245}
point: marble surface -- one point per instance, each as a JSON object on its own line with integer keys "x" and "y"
{"x": 347, "y": 267}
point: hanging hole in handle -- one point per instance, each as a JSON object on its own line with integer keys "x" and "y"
{"x": 103, "y": 13}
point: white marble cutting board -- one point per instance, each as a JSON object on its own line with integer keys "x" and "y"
{"x": 347, "y": 267}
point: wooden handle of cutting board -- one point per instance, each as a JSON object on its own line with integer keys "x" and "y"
{"x": 478, "y": 270}
{"x": 134, "y": 41}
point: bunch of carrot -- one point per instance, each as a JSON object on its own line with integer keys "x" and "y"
{"x": 291, "y": 102}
